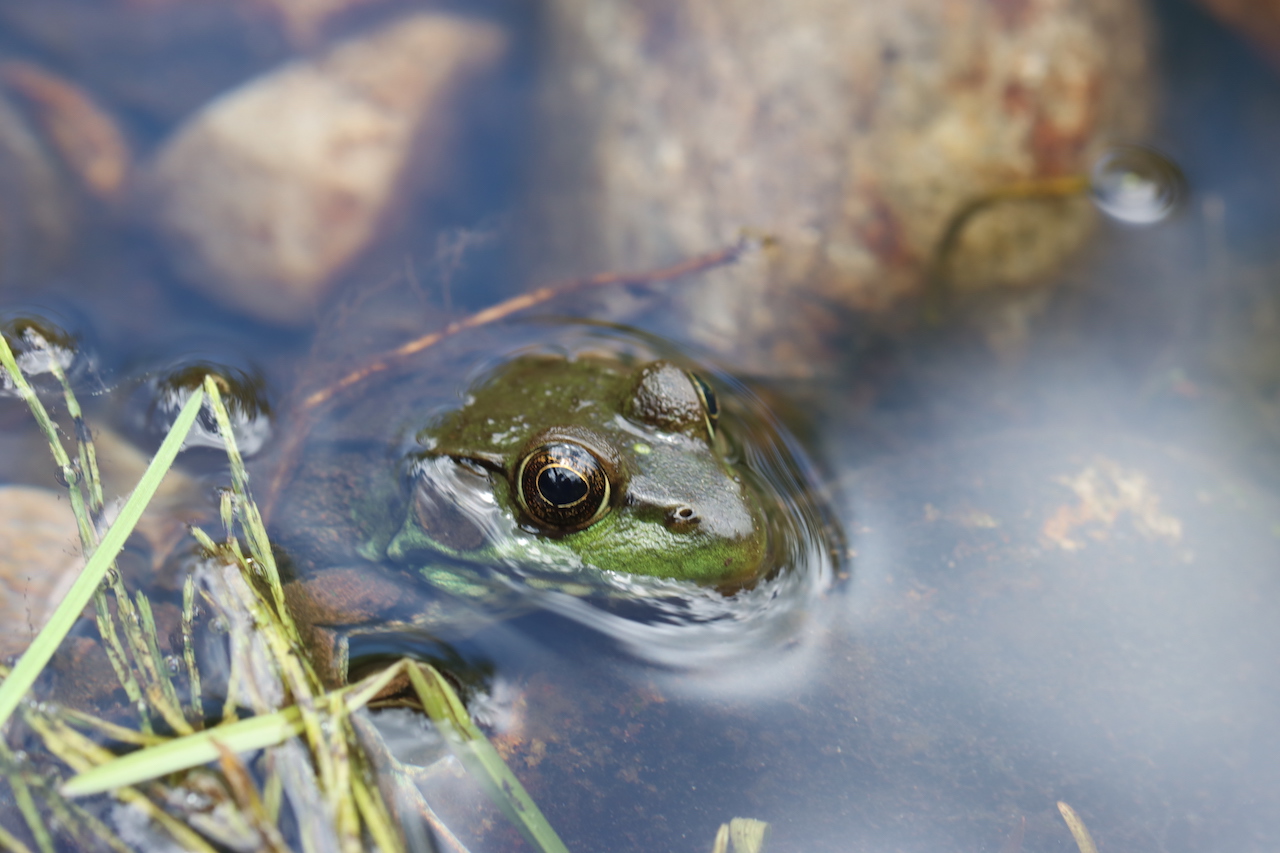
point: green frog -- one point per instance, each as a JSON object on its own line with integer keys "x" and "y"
{"x": 609, "y": 475}
{"x": 586, "y": 462}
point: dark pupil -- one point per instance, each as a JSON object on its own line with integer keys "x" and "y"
{"x": 708, "y": 396}
{"x": 561, "y": 486}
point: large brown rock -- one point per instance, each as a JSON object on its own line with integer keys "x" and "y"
{"x": 850, "y": 131}
{"x": 271, "y": 191}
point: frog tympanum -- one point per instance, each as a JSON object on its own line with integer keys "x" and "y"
{"x": 587, "y": 462}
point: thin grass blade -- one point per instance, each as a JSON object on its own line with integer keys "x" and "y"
{"x": 481, "y": 760}
{"x": 1078, "y": 830}
{"x": 191, "y": 751}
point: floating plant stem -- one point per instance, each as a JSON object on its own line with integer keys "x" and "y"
{"x": 167, "y": 702}
{"x": 189, "y": 652}
{"x": 119, "y": 659}
{"x": 376, "y": 818}
{"x": 115, "y": 732}
{"x": 186, "y": 752}
{"x": 1078, "y": 830}
{"x": 80, "y": 753}
{"x": 741, "y": 835}
{"x": 25, "y": 802}
{"x": 9, "y": 842}
{"x": 265, "y": 730}
{"x": 250, "y": 518}
{"x": 40, "y": 651}
{"x": 183, "y": 753}
{"x": 88, "y": 456}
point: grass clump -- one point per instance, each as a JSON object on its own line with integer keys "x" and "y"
{"x": 307, "y": 750}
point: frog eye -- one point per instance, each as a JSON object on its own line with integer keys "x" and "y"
{"x": 710, "y": 403}
{"x": 562, "y": 485}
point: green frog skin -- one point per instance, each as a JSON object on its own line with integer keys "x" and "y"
{"x": 587, "y": 462}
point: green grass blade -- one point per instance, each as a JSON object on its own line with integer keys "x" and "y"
{"x": 46, "y": 643}
{"x": 480, "y": 758}
{"x": 191, "y": 751}
{"x": 9, "y": 842}
{"x": 24, "y": 801}
{"x": 189, "y": 651}
{"x": 171, "y": 756}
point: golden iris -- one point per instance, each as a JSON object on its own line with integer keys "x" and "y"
{"x": 562, "y": 485}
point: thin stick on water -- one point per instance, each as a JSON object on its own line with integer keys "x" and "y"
{"x": 936, "y": 292}
{"x": 292, "y": 446}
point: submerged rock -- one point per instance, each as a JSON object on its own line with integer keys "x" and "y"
{"x": 37, "y": 212}
{"x": 39, "y": 560}
{"x": 849, "y": 133}
{"x": 269, "y": 192}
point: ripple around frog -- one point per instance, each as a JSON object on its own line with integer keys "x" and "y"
{"x": 681, "y": 624}
{"x": 672, "y": 623}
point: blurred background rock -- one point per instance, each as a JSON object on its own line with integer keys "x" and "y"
{"x": 847, "y": 133}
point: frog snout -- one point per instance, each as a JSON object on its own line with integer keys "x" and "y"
{"x": 682, "y": 519}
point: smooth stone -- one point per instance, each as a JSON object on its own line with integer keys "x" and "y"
{"x": 268, "y": 193}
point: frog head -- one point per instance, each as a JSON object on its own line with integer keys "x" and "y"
{"x": 589, "y": 462}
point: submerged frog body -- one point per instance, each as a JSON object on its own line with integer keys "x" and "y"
{"x": 587, "y": 462}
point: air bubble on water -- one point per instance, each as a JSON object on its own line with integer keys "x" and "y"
{"x": 197, "y": 802}
{"x": 243, "y": 394}
{"x": 1136, "y": 185}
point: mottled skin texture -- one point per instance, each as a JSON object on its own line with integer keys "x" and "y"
{"x": 678, "y": 506}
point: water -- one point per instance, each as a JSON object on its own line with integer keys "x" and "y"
{"x": 1056, "y": 572}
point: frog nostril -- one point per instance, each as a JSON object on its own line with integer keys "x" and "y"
{"x": 682, "y": 518}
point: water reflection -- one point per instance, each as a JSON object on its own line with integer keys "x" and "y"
{"x": 1062, "y": 615}
{"x": 44, "y": 347}
{"x": 162, "y": 394}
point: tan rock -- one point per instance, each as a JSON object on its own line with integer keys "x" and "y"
{"x": 850, "y": 131}
{"x": 270, "y": 192}
{"x": 39, "y": 560}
